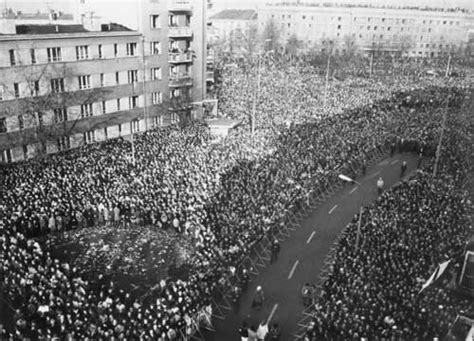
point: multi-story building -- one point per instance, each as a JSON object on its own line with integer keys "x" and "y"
{"x": 231, "y": 24}
{"x": 423, "y": 32}
{"x": 63, "y": 85}
{"x": 174, "y": 36}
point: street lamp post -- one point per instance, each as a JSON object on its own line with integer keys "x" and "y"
{"x": 361, "y": 210}
{"x": 257, "y": 93}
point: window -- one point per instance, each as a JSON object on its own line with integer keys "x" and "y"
{"x": 54, "y": 54}
{"x": 157, "y": 121}
{"x": 120, "y": 128}
{"x": 82, "y": 52}
{"x": 99, "y": 50}
{"x": 304, "y": 17}
{"x": 39, "y": 118}
{"x": 104, "y": 107}
{"x": 133, "y": 102}
{"x": 16, "y": 89}
{"x": 86, "y": 110}
{"x": 106, "y": 135}
{"x": 156, "y": 73}
{"x": 25, "y": 152}
{"x": 6, "y": 156}
{"x": 115, "y": 50}
{"x": 34, "y": 88}
{"x": 154, "y": 21}
{"x": 117, "y": 77}
{"x": 389, "y": 28}
{"x": 3, "y": 125}
{"x": 57, "y": 85}
{"x": 188, "y": 20}
{"x": 172, "y": 21}
{"x": 102, "y": 80}
{"x": 338, "y": 27}
{"x": 368, "y": 28}
{"x": 174, "y": 118}
{"x": 155, "y": 47}
{"x": 21, "y": 122}
{"x": 12, "y": 57}
{"x": 131, "y": 49}
{"x": 339, "y": 19}
{"x": 134, "y": 126}
{"x": 60, "y": 115}
{"x": 157, "y": 98}
{"x": 84, "y": 82}
{"x": 375, "y": 28}
{"x": 118, "y": 104}
{"x": 132, "y": 76}
{"x": 63, "y": 143}
{"x": 33, "y": 56}
{"x": 89, "y": 137}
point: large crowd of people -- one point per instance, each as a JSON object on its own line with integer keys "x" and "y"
{"x": 224, "y": 196}
{"x": 374, "y": 292}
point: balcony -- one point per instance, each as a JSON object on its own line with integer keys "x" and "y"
{"x": 180, "y": 6}
{"x": 176, "y": 81}
{"x": 210, "y": 76}
{"x": 180, "y": 32}
{"x": 180, "y": 57}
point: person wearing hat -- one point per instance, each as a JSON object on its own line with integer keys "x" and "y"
{"x": 380, "y": 185}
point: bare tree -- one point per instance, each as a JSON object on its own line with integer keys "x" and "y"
{"x": 42, "y": 109}
{"x": 271, "y": 36}
{"x": 292, "y": 45}
{"x": 250, "y": 41}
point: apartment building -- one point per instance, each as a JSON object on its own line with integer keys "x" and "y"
{"x": 423, "y": 32}
{"x": 66, "y": 83}
{"x": 174, "y": 36}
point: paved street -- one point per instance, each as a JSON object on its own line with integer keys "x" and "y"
{"x": 302, "y": 255}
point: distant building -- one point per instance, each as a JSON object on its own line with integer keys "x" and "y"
{"x": 410, "y": 31}
{"x": 231, "y": 24}
{"x": 68, "y": 80}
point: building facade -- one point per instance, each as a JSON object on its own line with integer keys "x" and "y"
{"x": 231, "y": 25}
{"x": 64, "y": 85}
{"x": 423, "y": 33}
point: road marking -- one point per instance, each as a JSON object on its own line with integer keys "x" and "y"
{"x": 332, "y": 209}
{"x": 394, "y": 162}
{"x": 310, "y": 237}
{"x": 293, "y": 269}
{"x": 353, "y": 190}
{"x": 272, "y": 312}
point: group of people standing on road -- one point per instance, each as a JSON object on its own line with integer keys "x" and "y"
{"x": 216, "y": 194}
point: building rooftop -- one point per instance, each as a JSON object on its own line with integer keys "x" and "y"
{"x": 236, "y": 14}
{"x": 114, "y": 27}
{"x": 49, "y": 29}
{"x": 375, "y": 6}
{"x": 18, "y": 15}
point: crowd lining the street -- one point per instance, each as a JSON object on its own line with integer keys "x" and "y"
{"x": 224, "y": 196}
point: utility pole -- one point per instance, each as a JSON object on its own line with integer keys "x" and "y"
{"x": 133, "y": 143}
{"x": 358, "y": 227}
{"x": 438, "y": 149}
{"x": 371, "y": 64}
{"x": 327, "y": 79}
{"x": 145, "y": 114}
{"x": 257, "y": 93}
{"x": 448, "y": 66}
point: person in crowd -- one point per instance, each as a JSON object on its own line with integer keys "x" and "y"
{"x": 258, "y": 298}
{"x": 380, "y": 184}
{"x": 275, "y": 250}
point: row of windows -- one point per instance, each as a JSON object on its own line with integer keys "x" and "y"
{"x": 57, "y": 85}
{"x": 369, "y": 19}
{"x": 172, "y": 20}
{"x": 85, "y": 52}
{"x": 86, "y": 110}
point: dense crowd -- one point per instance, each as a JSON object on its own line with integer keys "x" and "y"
{"x": 373, "y": 293}
{"x": 218, "y": 194}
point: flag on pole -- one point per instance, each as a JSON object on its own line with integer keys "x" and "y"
{"x": 440, "y": 269}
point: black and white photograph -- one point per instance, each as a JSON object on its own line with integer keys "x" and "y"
{"x": 237, "y": 170}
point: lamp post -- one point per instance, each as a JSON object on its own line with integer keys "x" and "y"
{"x": 257, "y": 93}
{"x": 348, "y": 179}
